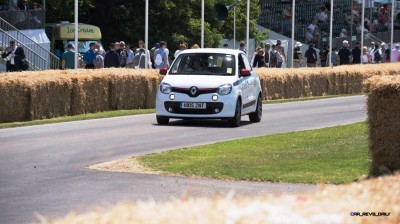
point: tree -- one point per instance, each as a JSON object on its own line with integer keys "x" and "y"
{"x": 173, "y": 21}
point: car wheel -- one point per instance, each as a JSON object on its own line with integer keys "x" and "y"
{"x": 257, "y": 115}
{"x": 235, "y": 121}
{"x": 162, "y": 120}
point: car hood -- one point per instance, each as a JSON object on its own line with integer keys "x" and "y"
{"x": 200, "y": 81}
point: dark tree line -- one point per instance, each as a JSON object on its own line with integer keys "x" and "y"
{"x": 173, "y": 21}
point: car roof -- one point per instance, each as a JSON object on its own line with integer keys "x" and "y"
{"x": 212, "y": 50}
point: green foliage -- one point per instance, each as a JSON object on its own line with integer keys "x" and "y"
{"x": 173, "y": 21}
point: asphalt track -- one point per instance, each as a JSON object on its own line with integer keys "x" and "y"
{"x": 43, "y": 169}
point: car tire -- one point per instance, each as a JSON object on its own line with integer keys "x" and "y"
{"x": 235, "y": 121}
{"x": 257, "y": 115}
{"x": 162, "y": 120}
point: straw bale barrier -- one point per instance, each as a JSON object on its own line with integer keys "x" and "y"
{"x": 384, "y": 123}
{"x": 329, "y": 204}
{"x": 47, "y": 94}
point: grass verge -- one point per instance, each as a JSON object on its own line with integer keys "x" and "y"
{"x": 331, "y": 155}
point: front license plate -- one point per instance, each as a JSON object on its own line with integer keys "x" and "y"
{"x": 190, "y": 105}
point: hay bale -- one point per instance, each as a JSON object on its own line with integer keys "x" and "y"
{"x": 151, "y": 90}
{"x": 121, "y": 88}
{"x": 50, "y": 97}
{"x": 384, "y": 123}
{"x": 14, "y": 99}
{"x": 124, "y": 92}
{"x": 90, "y": 93}
{"x": 329, "y": 204}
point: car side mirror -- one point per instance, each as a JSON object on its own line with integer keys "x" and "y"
{"x": 163, "y": 71}
{"x": 245, "y": 73}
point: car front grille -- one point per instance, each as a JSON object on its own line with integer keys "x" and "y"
{"x": 198, "y": 92}
{"x": 211, "y": 108}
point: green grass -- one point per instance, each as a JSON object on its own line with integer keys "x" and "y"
{"x": 119, "y": 113}
{"x": 331, "y": 155}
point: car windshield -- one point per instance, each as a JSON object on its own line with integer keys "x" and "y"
{"x": 204, "y": 64}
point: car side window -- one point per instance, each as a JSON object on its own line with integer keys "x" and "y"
{"x": 245, "y": 62}
{"x": 241, "y": 63}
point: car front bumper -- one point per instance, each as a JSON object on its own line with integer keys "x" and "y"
{"x": 171, "y": 106}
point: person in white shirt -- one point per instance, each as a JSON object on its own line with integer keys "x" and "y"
{"x": 395, "y": 54}
{"x": 371, "y": 51}
{"x": 182, "y": 47}
{"x": 321, "y": 15}
{"x": 14, "y": 56}
{"x": 343, "y": 34}
{"x": 313, "y": 26}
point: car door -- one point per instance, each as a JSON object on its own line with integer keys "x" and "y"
{"x": 246, "y": 82}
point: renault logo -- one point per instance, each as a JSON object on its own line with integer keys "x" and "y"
{"x": 193, "y": 90}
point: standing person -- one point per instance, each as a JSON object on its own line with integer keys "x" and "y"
{"x": 182, "y": 47}
{"x": 387, "y": 53}
{"x": 322, "y": 16}
{"x": 323, "y": 55}
{"x": 226, "y": 46}
{"x": 14, "y": 56}
{"x": 123, "y": 55}
{"x": 297, "y": 56}
{"x": 68, "y": 58}
{"x": 254, "y": 55}
{"x": 90, "y": 56}
{"x": 343, "y": 33}
{"x": 130, "y": 57}
{"x": 13, "y": 5}
{"x": 281, "y": 49}
{"x": 267, "y": 54}
{"x": 383, "y": 51}
{"x": 311, "y": 56}
{"x": 242, "y": 47}
{"x": 24, "y": 5}
{"x": 146, "y": 53}
{"x": 161, "y": 56}
{"x": 286, "y": 19}
{"x": 99, "y": 61}
{"x": 377, "y": 58}
{"x": 309, "y": 36}
{"x": 111, "y": 60}
{"x": 152, "y": 51}
{"x": 139, "y": 60}
{"x": 344, "y": 54}
{"x": 366, "y": 56}
{"x": 395, "y": 54}
{"x": 333, "y": 56}
{"x": 356, "y": 54}
{"x": 371, "y": 50}
{"x": 273, "y": 57}
{"x": 258, "y": 60}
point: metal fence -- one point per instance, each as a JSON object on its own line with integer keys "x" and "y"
{"x": 39, "y": 58}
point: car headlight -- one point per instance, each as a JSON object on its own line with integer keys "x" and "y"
{"x": 165, "y": 88}
{"x": 224, "y": 89}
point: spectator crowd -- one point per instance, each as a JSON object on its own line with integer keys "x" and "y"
{"x": 273, "y": 56}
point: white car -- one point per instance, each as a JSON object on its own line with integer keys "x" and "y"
{"x": 212, "y": 84}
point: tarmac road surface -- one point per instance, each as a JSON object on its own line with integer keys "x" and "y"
{"x": 43, "y": 168}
